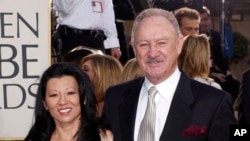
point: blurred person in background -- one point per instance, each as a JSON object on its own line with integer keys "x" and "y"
{"x": 131, "y": 70}
{"x": 104, "y": 71}
{"x": 242, "y": 102}
{"x": 194, "y": 59}
{"x": 87, "y": 23}
{"x": 219, "y": 70}
{"x": 188, "y": 20}
{"x": 124, "y": 11}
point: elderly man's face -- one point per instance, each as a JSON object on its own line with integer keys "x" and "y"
{"x": 157, "y": 46}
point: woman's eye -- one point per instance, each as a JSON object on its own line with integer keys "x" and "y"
{"x": 52, "y": 95}
{"x": 84, "y": 69}
{"x": 71, "y": 93}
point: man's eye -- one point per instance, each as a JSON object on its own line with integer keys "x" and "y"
{"x": 143, "y": 45}
{"x": 162, "y": 43}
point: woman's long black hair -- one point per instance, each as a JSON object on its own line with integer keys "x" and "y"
{"x": 44, "y": 124}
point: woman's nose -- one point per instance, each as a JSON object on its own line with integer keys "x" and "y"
{"x": 62, "y": 100}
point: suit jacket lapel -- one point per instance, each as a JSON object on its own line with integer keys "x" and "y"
{"x": 128, "y": 109}
{"x": 179, "y": 111}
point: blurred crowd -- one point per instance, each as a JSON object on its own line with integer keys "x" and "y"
{"x": 95, "y": 89}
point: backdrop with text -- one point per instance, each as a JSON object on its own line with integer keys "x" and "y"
{"x": 24, "y": 55}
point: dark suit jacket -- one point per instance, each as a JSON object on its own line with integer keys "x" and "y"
{"x": 124, "y": 9}
{"x": 244, "y": 95}
{"x": 193, "y": 104}
{"x": 216, "y": 51}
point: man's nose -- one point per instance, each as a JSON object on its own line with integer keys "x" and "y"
{"x": 153, "y": 50}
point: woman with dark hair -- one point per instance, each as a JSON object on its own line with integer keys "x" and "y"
{"x": 66, "y": 107}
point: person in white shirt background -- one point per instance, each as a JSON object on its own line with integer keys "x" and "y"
{"x": 88, "y": 23}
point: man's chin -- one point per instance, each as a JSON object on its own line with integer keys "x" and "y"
{"x": 155, "y": 75}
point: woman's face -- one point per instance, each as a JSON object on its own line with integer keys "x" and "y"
{"x": 87, "y": 68}
{"x": 62, "y": 100}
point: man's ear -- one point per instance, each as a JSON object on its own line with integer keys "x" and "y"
{"x": 133, "y": 46}
{"x": 134, "y": 50}
{"x": 179, "y": 44}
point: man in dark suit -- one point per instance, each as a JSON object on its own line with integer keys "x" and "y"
{"x": 243, "y": 100}
{"x": 219, "y": 70}
{"x": 184, "y": 109}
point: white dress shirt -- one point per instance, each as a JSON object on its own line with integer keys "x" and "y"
{"x": 89, "y": 14}
{"x": 163, "y": 100}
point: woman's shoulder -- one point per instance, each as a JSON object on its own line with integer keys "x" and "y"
{"x": 216, "y": 85}
{"x": 208, "y": 81}
{"x": 106, "y": 135}
{"x": 213, "y": 83}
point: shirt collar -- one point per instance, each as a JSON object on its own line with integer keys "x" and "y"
{"x": 167, "y": 88}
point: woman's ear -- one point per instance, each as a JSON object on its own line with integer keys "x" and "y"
{"x": 45, "y": 105}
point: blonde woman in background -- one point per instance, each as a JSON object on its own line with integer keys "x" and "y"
{"x": 104, "y": 71}
{"x": 131, "y": 70}
{"x": 195, "y": 58}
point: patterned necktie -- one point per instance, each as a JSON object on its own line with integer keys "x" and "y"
{"x": 147, "y": 127}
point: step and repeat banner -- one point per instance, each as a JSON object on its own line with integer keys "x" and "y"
{"x": 24, "y": 54}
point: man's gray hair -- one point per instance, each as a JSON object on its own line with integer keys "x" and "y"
{"x": 155, "y": 12}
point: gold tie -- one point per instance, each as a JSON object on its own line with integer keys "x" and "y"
{"x": 147, "y": 127}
